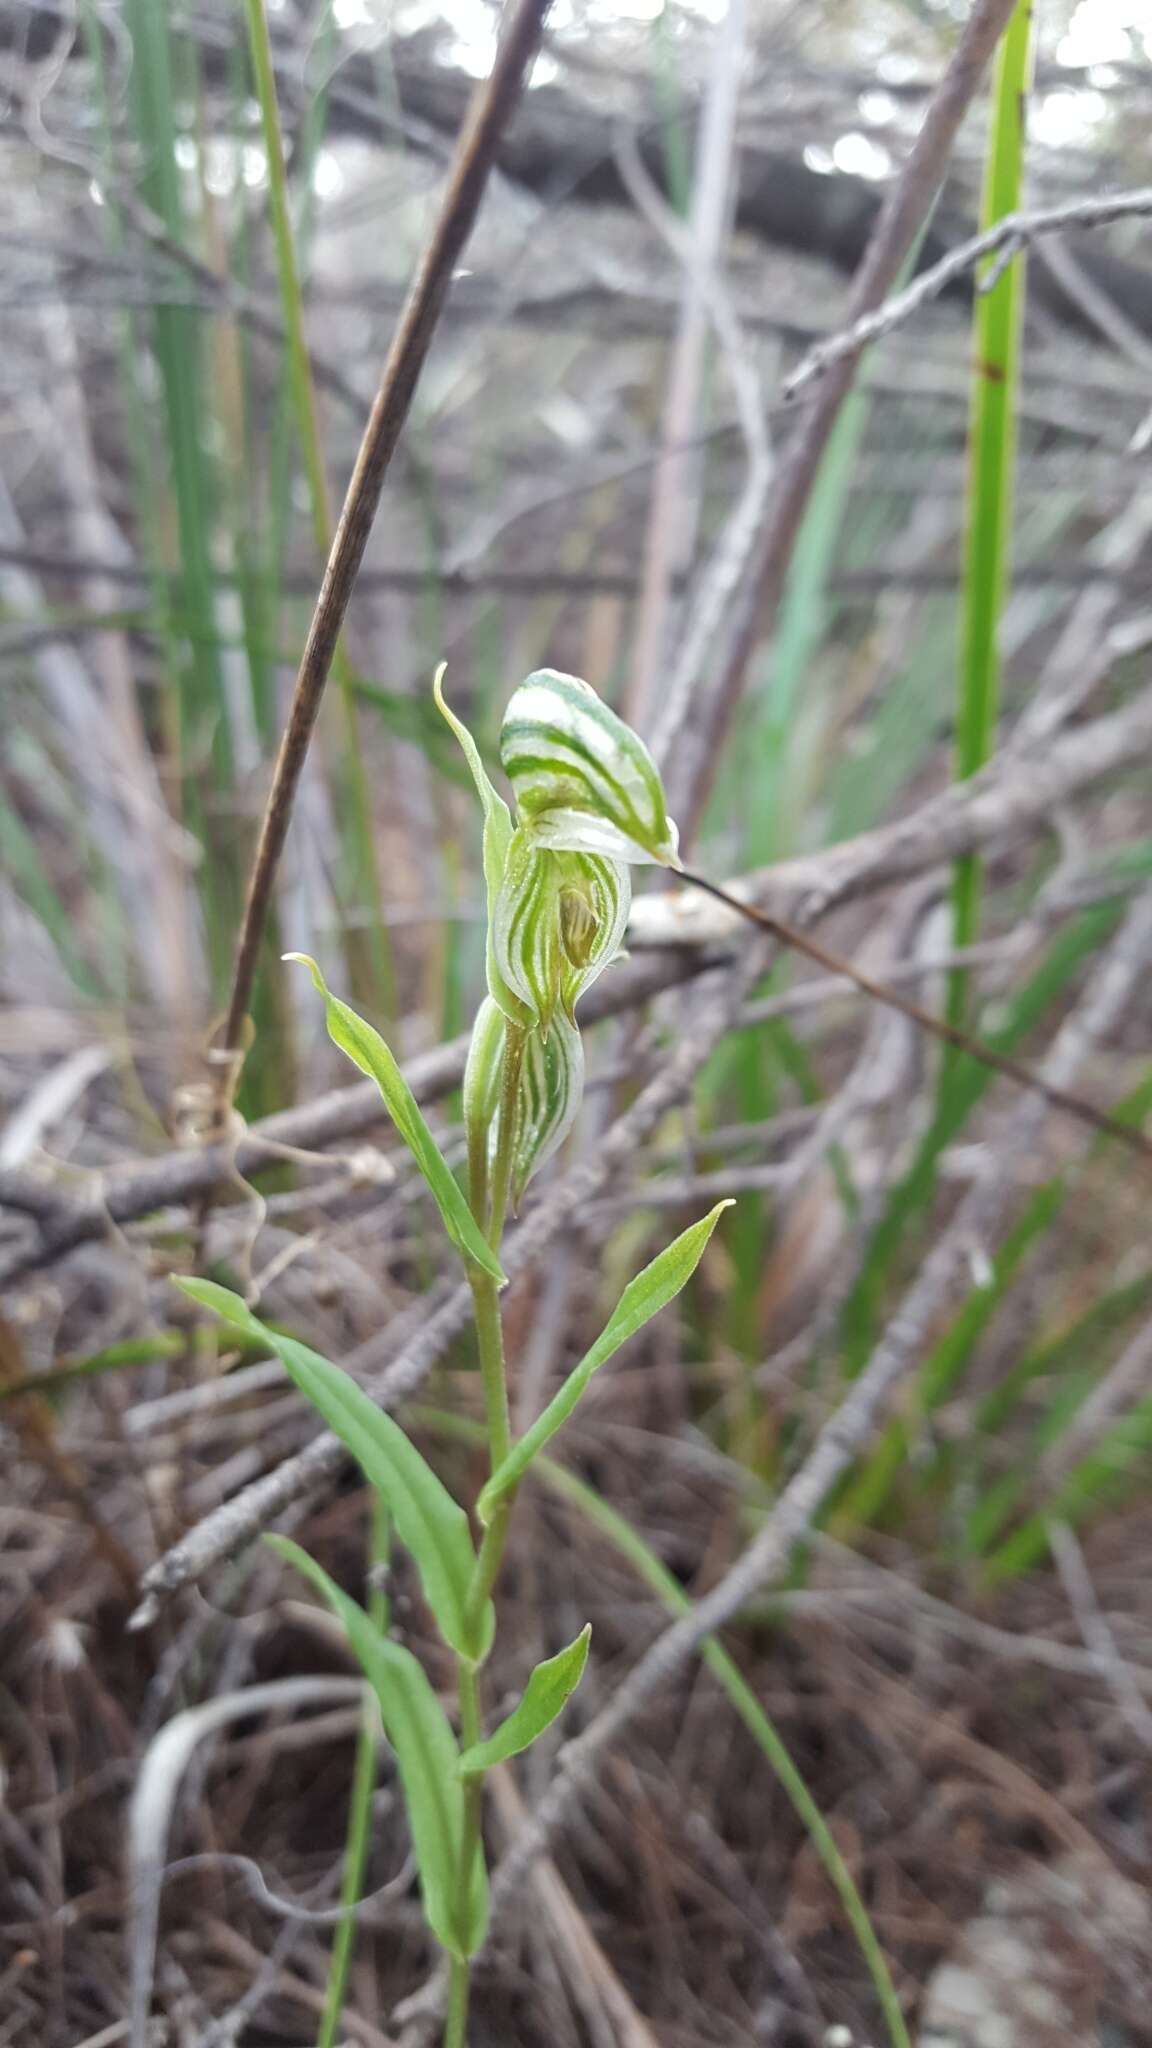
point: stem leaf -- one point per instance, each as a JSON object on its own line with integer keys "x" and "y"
{"x": 365, "y": 1047}
{"x": 546, "y": 1694}
{"x": 429, "y": 1522}
{"x": 643, "y": 1297}
{"x": 426, "y": 1756}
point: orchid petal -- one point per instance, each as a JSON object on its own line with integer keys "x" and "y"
{"x": 584, "y": 781}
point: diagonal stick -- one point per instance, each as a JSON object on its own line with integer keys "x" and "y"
{"x": 926, "y": 1020}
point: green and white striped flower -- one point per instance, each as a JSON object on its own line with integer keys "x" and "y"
{"x": 559, "y": 919}
{"x": 584, "y": 781}
{"x": 589, "y": 805}
{"x": 549, "y": 1096}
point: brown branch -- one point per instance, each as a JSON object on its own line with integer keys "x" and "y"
{"x": 472, "y": 163}
{"x": 1005, "y": 239}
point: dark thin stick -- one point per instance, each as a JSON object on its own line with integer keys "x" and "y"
{"x": 471, "y": 166}
{"x": 926, "y": 1020}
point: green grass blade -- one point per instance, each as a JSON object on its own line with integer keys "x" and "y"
{"x": 308, "y": 429}
{"x": 992, "y": 456}
{"x": 1105, "y": 1318}
{"x": 911, "y": 1198}
{"x": 1097, "y": 1480}
{"x": 204, "y": 712}
{"x": 866, "y": 1497}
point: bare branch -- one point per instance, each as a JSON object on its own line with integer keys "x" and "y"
{"x": 1005, "y": 240}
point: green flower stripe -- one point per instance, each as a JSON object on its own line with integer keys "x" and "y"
{"x": 551, "y": 1087}
{"x": 560, "y": 918}
{"x": 584, "y": 781}
{"x": 551, "y": 1090}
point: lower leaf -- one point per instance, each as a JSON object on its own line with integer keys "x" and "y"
{"x": 427, "y": 1759}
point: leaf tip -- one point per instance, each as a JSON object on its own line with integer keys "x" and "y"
{"x": 306, "y": 960}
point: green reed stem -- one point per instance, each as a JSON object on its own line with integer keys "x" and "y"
{"x": 307, "y": 426}
{"x": 358, "y": 1841}
{"x": 991, "y": 475}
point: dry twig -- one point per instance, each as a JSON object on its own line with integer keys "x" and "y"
{"x": 1004, "y": 240}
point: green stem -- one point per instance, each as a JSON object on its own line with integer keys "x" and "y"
{"x": 490, "y": 1344}
{"x": 307, "y": 425}
{"x": 456, "y": 2022}
{"x": 489, "y": 1561}
{"x": 468, "y": 1689}
{"x": 488, "y": 1196}
{"x": 359, "y": 1836}
{"x": 992, "y": 457}
{"x": 650, "y": 1567}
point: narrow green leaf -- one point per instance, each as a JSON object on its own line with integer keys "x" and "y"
{"x": 643, "y": 1297}
{"x": 426, "y": 1756}
{"x": 429, "y": 1522}
{"x": 545, "y": 1696}
{"x": 367, "y": 1050}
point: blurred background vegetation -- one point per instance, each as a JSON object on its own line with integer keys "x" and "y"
{"x": 575, "y": 452}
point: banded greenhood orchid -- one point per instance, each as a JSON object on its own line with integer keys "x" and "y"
{"x": 584, "y": 781}
{"x": 559, "y": 920}
{"x": 548, "y": 1099}
{"x": 589, "y": 806}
